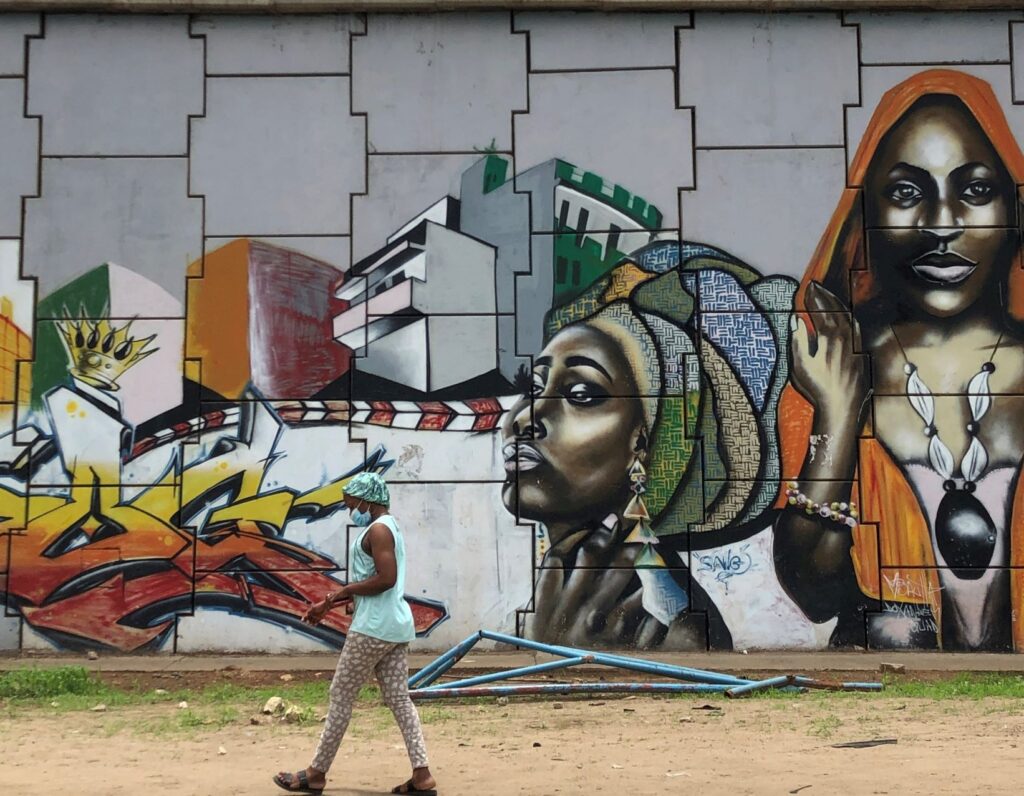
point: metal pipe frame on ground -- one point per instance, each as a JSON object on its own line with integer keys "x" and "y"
{"x": 704, "y": 681}
{"x": 444, "y": 662}
{"x": 511, "y": 673}
{"x": 620, "y": 661}
{"x": 566, "y": 688}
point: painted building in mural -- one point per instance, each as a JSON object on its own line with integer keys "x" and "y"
{"x": 676, "y": 331}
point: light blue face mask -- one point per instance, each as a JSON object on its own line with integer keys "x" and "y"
{"x": 360, "y": 518}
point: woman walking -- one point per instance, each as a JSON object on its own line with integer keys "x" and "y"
{"x": 378, "y": 639}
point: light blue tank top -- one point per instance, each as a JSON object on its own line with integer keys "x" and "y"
{"x": 387, "y": 615}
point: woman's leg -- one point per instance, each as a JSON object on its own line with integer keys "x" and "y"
{"x": 393, "y": 673}
{"x": 358, "y": 657}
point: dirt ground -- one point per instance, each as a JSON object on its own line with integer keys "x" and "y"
{"x": 635, "y": 746}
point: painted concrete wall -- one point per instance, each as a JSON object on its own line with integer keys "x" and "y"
{"x": 668, "y": 330}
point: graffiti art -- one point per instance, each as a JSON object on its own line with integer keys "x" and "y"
{"x": 620, "y": 403}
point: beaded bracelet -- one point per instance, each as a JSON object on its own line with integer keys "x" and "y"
{"x": 842, "y": 513}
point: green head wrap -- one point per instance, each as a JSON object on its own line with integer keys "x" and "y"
{"x": 370, "y": 487}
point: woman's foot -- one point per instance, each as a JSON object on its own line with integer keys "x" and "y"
{"x": 308, "y": 781}
{"x": 421, "y": 782}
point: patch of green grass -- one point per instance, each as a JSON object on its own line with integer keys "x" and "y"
{"x": 963, "y": 686}
{"x": 189, "y": 718}
{"x": 43, "y": 683}
{"x": 158, "y": 726}
{"x": 435, "y": 714}
{"x": 825, "y": 727}
{"x": 231, "y": 693}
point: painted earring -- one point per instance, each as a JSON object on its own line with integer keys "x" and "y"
{"x": 637, "y": 510}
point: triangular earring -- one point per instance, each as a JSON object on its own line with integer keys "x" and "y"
{"x": 641, "y": 533}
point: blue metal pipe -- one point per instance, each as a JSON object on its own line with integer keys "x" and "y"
{"x": 810, "y": 682}
{"x": 566, "y": 688}
{"x": 444, "y": 662}
{"x": 621, "y": 661}
{"x": 459, "y": 652}
{"x": 760, "y": 685}
{"x": 434, "y": 665}
{"x": 536, "y": 668}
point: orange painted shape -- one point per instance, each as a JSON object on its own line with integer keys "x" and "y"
{"x": 217, "y": 323}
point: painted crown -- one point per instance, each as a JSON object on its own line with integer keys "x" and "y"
{"x": 98, "y": 352}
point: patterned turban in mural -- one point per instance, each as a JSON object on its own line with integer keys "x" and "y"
{"x": 646, "y": 429}
{"x": 916, "y": 289}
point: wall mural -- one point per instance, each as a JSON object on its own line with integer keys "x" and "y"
{"x": 699, "y": 453}
{"x": 914, "y": 297}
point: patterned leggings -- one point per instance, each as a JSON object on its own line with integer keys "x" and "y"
{"x": 361, "y": 655}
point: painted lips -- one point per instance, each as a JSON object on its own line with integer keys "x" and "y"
{"x": 943, "y": 269}
{"x": 521, "y": 456}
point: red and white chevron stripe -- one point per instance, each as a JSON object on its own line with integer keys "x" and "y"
{"x": 474, "y": 414}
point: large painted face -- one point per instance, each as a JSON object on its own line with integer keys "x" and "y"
{"x": 569, "y": 442}
{"x": 941, "y": 210}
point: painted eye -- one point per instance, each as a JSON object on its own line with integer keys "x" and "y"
{"x": 537, "y": 386}
{"x": 584, "y": 394}
{"x": 905, "y": 194}
{"x": 978, "y": 192}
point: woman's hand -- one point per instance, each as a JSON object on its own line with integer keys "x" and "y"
{"x": 316, "y": 612}
{"x": 829, "y": 371}
{"x": 582, "y": 594}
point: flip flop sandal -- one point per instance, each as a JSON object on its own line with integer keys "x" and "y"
{"x": 410, "y": 788}
{"x": 303, "y": 784}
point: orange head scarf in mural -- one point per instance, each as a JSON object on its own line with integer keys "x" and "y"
{"x": 893, "y": 526}
{"x": 840, "y": 252}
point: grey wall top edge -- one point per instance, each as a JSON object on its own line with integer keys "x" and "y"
{"x": 324, "y": 6}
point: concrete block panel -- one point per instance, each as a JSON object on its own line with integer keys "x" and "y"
{"x": 19, "y": 156}
{"x": 439, "y": 83}
{"x": 399, "y": 188}
{"x": 747, "y": 592}
{"x": 116, "y": 85}
{"x": 1017, "y": 58}
{"x": 435, "y": 352}
{"x": 422, "y": 456}
{"x": 621, "y": 125}
{"x": 19, "y": 291}
{"x": 468, "y": 551}
{"x": 766, "y": 207}
{"x": 277, "y": 45}
{"x": 129, "y": 211}
{"x": 948, "y": 38}
{"x": 585, "y": 40}
{"x": 759, "y": 80}
{"x": 278, "y": 156}
{"x": 10, "y": 627}
{"x": 967, "y": 608}
{"x": 876, "y": 80}
{"x": 214, "y": 629}
{"x": 333, "y": 250}
{"x": 148, "y": 387}
{"x": 13, "y": 30}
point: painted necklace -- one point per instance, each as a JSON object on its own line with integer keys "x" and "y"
{"x": 964, "y": 531}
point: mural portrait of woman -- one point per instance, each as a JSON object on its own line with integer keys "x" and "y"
{"x": 908, "y": 359}
{"x": 637, "y": 410}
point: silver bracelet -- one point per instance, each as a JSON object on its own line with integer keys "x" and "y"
{"x": 842, "y": 513}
